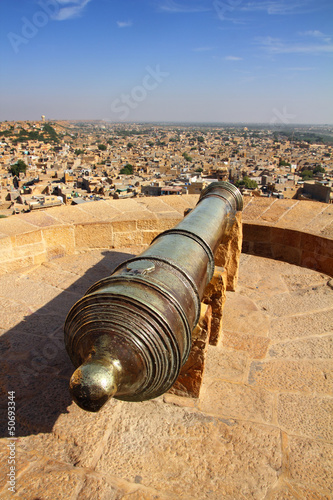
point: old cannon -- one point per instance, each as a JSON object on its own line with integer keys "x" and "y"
{"x": 130, "y": 334}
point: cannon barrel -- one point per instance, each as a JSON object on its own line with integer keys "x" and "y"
{"x": 130, "y": 334}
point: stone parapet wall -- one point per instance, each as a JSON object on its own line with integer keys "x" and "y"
{"x": 37, "y": 237}
{"x": 298, "y": 232}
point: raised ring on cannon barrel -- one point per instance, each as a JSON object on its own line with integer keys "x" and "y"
{"x": 130, "y": 334}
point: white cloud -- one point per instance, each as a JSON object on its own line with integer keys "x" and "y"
{"x": 124, "y": 24}
{"x": 276, "y": 46}
{"x": 316, "y": 34}
{"x": 277, "y": 7}
{"x": 233, "y": 58}
{"x": 173, "y": 7}
{"x": 73, "y": 8}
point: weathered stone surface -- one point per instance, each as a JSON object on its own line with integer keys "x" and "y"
{"x": 255, "y": 346}
{"x": 310, "y": 348}
{"x": 60, "y": 238}
{"x": 22, "y": 461}
{"x": 93, "y": 235}
{"x": 22, "y": 289}
{"x": 127, "y": 239}
{"x": 48, "y": 480}
{"x": 300, "y": 301}
{"x": 215, "y": 296}
{"x": 321, "y": 221}
{"x": 309, "y": 416}
{"x": 167, "y": 448}
{"x": 291, "y": 491}
{"x": 305, "y": 325}
{"x": 304, "y": 376}
{"x": 98, "y": 487}
{"x": 241, "y": 314}
{"x": 225, "y": 364}
{"x": 300, "y": 215}
{"x": 206, "y": 458}
{"x": 71, "y": 215}
{"x": 229, "y": 400}
{"x": 306, "y": 280}
{"x": 254, "y": 286}
{"x": 228, "y": 252}
{"x": 254, "y": 209}
{"x": 310, "y": 464}
{"x": 100, "y": 210}
{"x": 189, "y": 381}
{"x": 277, "y": 210}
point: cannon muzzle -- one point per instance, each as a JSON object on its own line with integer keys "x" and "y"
{"x": 130, "y": 334}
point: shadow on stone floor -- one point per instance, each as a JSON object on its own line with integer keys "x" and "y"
{"x": 33, "y": 359}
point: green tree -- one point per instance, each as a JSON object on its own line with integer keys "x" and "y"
{"x": 187, "y": 156}
{"x": 284, "y": 163}
{"x": 19, "y": 167}
{"x": 247, "y": 183}
{"x": 307, "y": 175}
{"x": 127, "y": 169}
{"x": 102, "y": 147}
{"x": 130, "y": 145}
{"x": 78, "y": 152}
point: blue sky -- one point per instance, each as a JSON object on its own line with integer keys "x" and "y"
{"x": 167, "y": 60}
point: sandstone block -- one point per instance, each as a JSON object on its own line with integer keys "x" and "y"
{"x": 215, "y": 296}
{"x": 311, "y": 348}
{"x": 285, "y": 375}
{"x": 124, "y": 226}
{"x": 305, "y": 325}
{"x": 256, "y": 347}
{"x": 310, "y": 464}
{"x": 276, "y": 210}
{"x": 147, "y": 224}
{"x": 59, "y": 237}
{"x": 148, "y": 236}
{"x": 225, "y": 458}
{"x": 225, "y": 364}
{"x": 229, "y": 400}
{"x": 99, "y": 235}
{"x": 257, "y": 206}
{"x": 228, "y": 253}
{"x": 57, "y": 479}
{"x": 286, "y": 253}
{"x": 300, "y": 215}
{"x": 304, "y": 415}
{"x": 127, "y": 239}
{"x": 286, "y": 237}
{"x": 256, "y": 232}
{"x": 27, "y": 238}
{"x": 189, "y": 381}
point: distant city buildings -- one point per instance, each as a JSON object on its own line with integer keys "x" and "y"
{"x": 44, "y": 164}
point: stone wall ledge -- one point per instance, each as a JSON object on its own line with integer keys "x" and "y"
{"x": 298, "y": 232}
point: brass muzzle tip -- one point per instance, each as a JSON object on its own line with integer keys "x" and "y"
{"x": 92, "y": 385}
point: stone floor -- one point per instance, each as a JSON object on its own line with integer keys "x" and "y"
{"x": 261, "y": 429}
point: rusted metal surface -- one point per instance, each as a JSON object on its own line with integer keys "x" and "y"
{"x": 130, "y": 334}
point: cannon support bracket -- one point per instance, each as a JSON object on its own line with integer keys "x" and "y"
{"x": 209, "y": 328}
